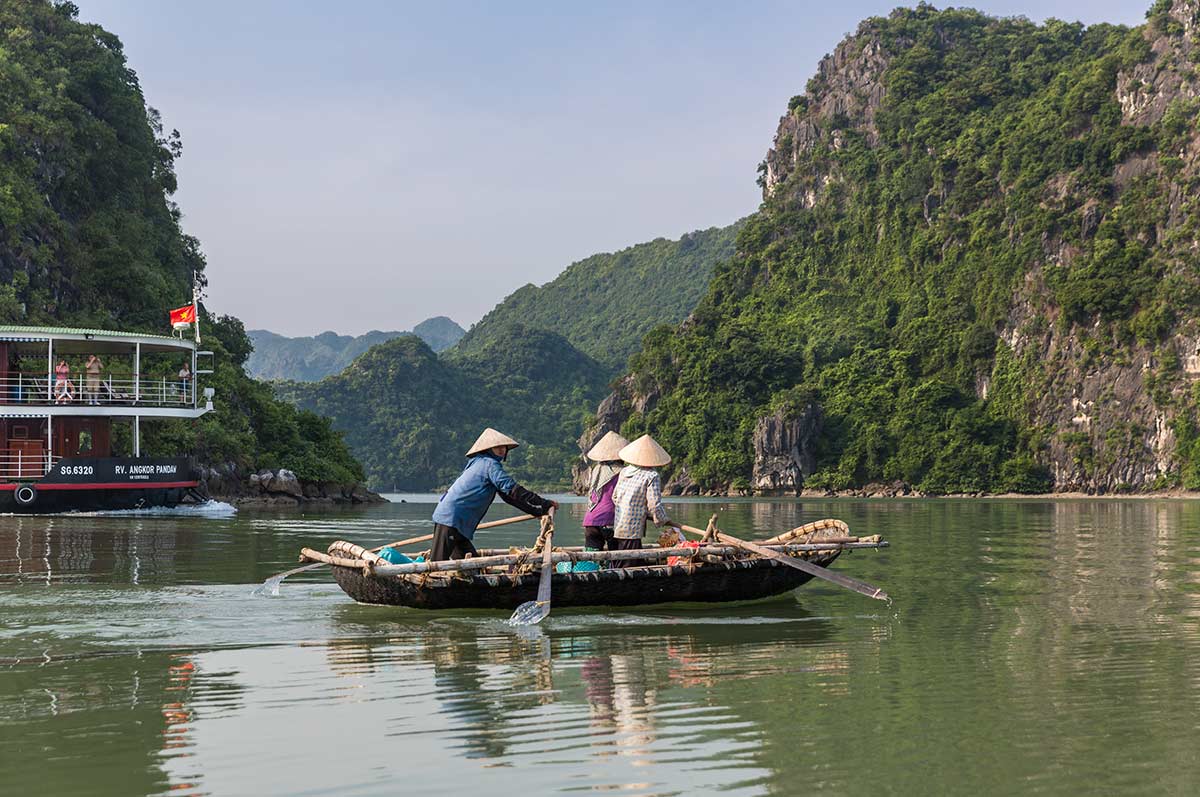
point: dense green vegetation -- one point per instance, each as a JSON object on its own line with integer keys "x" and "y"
{"x": 411, "y": 415}
{"x": 606, "y": 303}
{"x": 90, "y": 237}
{"x": 308, "y": 359}
{"x": 993, "y": 154}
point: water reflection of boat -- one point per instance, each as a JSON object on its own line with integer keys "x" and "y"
{"x": 588, "y": 686}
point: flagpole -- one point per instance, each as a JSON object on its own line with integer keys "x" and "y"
{"x": 196, "y": 307}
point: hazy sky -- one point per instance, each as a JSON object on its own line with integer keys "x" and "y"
{"x": 366, "y": 165}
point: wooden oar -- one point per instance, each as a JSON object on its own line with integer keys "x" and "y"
{"x": 533, "y": 612}
{"x": 274, "y": 581}
{"x": 860, "y": 587}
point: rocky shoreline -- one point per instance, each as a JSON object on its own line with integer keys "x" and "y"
{"x": 279, "y": 488}
{"x": 893, "y": 491}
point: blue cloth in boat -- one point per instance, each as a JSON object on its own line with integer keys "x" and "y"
{"x": 468, "y": 499}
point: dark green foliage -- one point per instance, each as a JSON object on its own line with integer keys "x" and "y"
{"x": 606, "y": 303}
{"x": 412, "y": 415}
{"x": 89, "y": 236}
{"x": 997, "y": 140}
{"x": 308, "y": 359}
{"x": 86, "y": 230}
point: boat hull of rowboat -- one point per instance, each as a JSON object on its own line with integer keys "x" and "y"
{"x": 711, "y": 582}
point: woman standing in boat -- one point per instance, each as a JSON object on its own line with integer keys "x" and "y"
{"x": 638, "y": 494}
{"x": 598, "y": 522}
{"x": 468, "y": 499}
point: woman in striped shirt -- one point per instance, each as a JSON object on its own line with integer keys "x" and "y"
{"x": 638, "y": 494}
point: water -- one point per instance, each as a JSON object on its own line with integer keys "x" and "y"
{"x": 1033, "y": 647}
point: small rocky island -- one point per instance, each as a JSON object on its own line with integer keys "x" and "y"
{"x": 280, "y": 488}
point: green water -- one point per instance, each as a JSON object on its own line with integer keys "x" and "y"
{"x": 1033, "y": 647}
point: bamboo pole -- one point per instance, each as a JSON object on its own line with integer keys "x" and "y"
{"x": 309, "y": 555}
{"x": 809, "y": 528}
{"x": 272, "y": 584}
{"x": 853, "y": 584}
{"x": 579, "y": 555}
{"x": 491, "y": 524}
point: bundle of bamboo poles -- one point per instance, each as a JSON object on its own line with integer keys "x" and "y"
{"x": 347, "y": 554}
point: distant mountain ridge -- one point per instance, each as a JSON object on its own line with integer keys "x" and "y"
{"x": 309, "y": 359}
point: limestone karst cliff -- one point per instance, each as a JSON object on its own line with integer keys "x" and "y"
{"x": 975, "y": 269}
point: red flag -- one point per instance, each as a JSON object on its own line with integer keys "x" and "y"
{"x": 184, "y": 315}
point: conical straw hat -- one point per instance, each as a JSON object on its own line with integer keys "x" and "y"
{"x": 608, "y": 449}
{"x": 645, "y": 453}
{"x": 490, "y": 439}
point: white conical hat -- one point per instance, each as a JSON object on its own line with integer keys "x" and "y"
{"x": 645, "y": 453}
{"x": 608, "y": 448}
{"x": 490, "y": 439}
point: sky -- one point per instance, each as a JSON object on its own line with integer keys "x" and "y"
{"x": 368, "y": 164}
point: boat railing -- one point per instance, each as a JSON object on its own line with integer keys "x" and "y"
{"x": 23, "y": 388}
{"x": 33, "y": 462}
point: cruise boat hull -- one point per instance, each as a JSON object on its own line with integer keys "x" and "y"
{"x": 99, "y": 484}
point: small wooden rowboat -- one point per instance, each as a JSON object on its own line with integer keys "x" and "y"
{"x": 505, "y": 579}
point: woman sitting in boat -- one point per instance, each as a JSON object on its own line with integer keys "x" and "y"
{"x": 638, "y": 494}
{"x": 468, "y": 499}
{"x": 598, "y": 522}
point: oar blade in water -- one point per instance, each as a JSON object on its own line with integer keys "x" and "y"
{"x": 530, "y": 613}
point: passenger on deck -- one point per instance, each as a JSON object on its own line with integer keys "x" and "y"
{"x": 63, "y": 392}
{"x": 638, "y": 494}
{"x": 93, "y": 368}
{"x": 185, "y": 383}
{"x": 598, "y": 522}
{"x": 467, "y": 501}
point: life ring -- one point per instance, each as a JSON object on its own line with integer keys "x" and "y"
{"x": 25, "y": 494}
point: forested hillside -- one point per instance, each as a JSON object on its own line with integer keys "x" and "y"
{"x": 307, "y": 359}
{"x": 411, "y": 415}
{"x": 975, "y": 269}
{"x": 605, "y": 303}
{"x": 89, "y": 235}
{"x": 534, "y": 366}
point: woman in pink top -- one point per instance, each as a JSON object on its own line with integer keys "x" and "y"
{"x": 63, "y": 393}
{"x": 597, "y": 523}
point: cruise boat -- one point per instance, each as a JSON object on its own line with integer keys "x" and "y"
{"x": 72, "y": 435}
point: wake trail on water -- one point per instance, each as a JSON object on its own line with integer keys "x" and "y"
{"x": 208, "y": 509}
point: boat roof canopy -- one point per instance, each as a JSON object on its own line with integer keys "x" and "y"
{"x": 68, "y": 340}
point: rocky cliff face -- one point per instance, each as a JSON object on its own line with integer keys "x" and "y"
{"x": 1113, "y": 404}
{"x": 784, "y": 451}
{"x": 1148, "y": 90}
{"x": 846, "y": 93}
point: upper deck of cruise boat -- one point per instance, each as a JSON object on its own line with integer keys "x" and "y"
{"x": 43, "y": 371}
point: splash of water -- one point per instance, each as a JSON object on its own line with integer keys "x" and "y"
{"x": 270, "y": 586}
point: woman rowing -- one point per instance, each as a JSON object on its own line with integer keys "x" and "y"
{"x": 467, "y": 501}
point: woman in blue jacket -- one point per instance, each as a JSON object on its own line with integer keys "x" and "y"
{"x": 466, "y": 502}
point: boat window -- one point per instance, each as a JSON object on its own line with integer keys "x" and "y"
{"x": 85, "y": 442}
